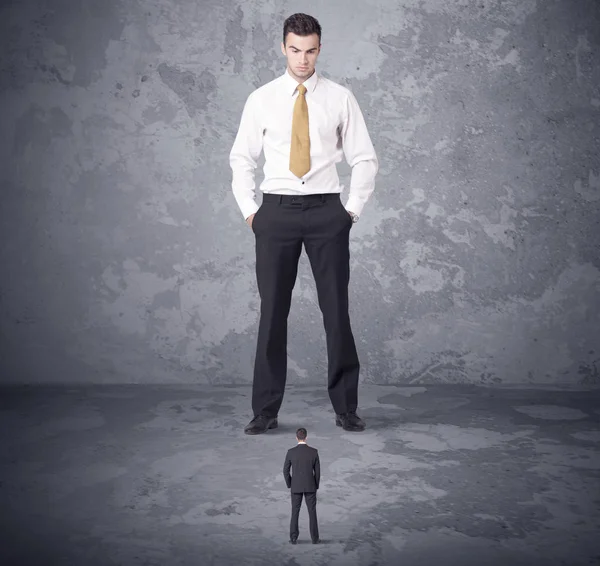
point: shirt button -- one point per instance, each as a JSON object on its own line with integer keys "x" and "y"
{"x": 303, "y": 182}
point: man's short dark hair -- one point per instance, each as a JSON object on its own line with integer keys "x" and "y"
{"x": 301, "y": 24}
{"x": 301, "y": 434}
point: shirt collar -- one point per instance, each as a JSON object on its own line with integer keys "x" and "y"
{"x": 301, "y": 442}
{"x": 291, "y": 83}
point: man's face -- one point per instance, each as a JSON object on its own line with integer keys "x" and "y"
{"x": 301, "y": 53}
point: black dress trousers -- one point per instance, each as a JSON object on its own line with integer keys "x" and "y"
{"x": 281, "y": 225}
{"x": 311, "y": 506}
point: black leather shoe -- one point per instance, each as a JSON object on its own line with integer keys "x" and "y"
{"x": 293, "y": 540}
{"x": 316, "y": 541}
{"x": 260, "y": 424}
{"x": 350, "y": 421}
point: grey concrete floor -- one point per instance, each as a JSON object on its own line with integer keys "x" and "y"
{"x": 152, "y": 475}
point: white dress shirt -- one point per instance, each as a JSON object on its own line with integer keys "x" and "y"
{"x": 336, "y": 128}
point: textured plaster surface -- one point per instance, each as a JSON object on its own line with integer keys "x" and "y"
{"x": 452, "y": 475}
{"x": 124, "y": 257}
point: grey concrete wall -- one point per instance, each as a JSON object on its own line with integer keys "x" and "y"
{"x": 123, "y": 254}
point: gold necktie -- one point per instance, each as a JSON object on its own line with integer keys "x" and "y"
{"x": 300, "y": 150}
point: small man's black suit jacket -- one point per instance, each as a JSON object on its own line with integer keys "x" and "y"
{"x": 306, "y": 469}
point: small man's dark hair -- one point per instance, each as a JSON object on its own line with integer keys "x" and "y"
{"x": 301, "y": 434}
{"x": 302, "y": 25}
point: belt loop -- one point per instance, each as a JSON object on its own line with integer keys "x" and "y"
{"x": 322, "y": 198}
{"x": 280, "y": 199}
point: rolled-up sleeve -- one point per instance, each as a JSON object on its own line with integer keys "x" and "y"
{"x": 244, "y": 155}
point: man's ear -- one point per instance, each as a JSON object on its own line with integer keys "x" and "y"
{"x": 283, "y": 47}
